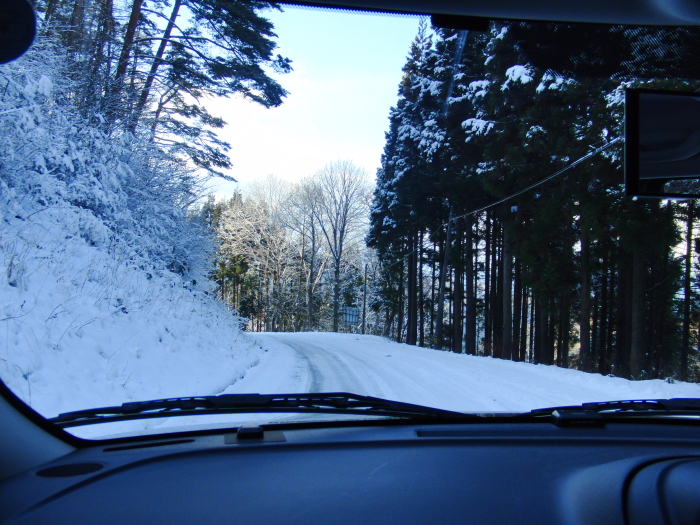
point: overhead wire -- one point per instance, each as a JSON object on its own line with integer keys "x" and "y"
{"x": 547, "y": 179}
{"x": 517, "y": 194}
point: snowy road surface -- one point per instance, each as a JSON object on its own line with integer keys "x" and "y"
{"x": 370, "y": 365}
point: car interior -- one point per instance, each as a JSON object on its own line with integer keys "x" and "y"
{"x": 572, "y": 465}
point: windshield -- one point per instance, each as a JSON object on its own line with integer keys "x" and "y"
{"x": 201, "y": 198}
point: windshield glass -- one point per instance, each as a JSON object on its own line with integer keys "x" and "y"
{"x": 204, "y": 198}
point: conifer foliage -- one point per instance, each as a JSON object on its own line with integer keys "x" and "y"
{"x": 150, "y": 69}
{"x": 104, "y": 120}
{"x": 570, "y": 272}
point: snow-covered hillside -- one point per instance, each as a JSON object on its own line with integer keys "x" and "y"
{"x": 79, "y": 328}
{"x": 103, "y": 274}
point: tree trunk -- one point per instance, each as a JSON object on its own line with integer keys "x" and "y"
{"x": 143, "y": 97}
{"x": 128, "y": 42}
{"x": 399, "y": 321}
{"x": 585, "y": 317}
{"x": 497, "y": 291}
{"x": 336, "y": 296}
{"x": 310, "y": 283}
{"x": 507, "y": 346}
{"x": 469, "y": 276}
{"x": 551, "y": 331}
{"x": 517, "y": 311}
{"x": 432, "y": 298}
{"x": 611, "y": 321}
{"x": 594, "y": 330}
{"x": 523, "y": 325}
{"x": 566, "y": 337}
{"x": 637, "y": 347}
{"x": 533, "y": 328}
{"x": 412, "y": 328}
{"x": 623, "y": 315}
{"x": 421, "y": 293}
{"x": 603, "y": 331}
{"x": 50, "y": 10}
{"x": 457, "y": 290}
{"x": 487, "y": 287}
{"x": 560, "y": 332}
{"x": 389, "y": 321}
{"x": 542, "y": 330}
{"x": 438, "y": 343}
{"x": 683, "y": 376}
{"x": 76, "y": 24}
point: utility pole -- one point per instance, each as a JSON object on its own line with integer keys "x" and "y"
{"x": 364, "y": 302}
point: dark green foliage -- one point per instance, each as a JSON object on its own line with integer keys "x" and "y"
{"x": 571, "y": 272}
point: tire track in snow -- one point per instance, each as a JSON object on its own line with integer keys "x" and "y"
{"x": 327, "y": 372}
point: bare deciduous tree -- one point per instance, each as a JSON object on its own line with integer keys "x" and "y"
{"x": 302, "y": 217}
{"x": 342, "y": 190}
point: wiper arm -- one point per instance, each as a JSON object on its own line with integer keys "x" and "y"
{"x": 327, "y": 403}
{"x": 595, "y": 414}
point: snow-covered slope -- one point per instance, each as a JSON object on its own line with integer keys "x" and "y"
{"x": 103, "y": 276}
{"x": 79, "y": 328}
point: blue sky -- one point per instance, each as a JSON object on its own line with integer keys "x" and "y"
{"x": 347, "y": 67}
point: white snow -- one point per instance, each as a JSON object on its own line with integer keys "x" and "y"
{"x": 478, "y": 88}
{"x": 502, "y": 33}
{"x": 522, "y": 74}
{"x": 535, "y": 130}
{"x": 103, "y": 277}
{"x": 375, "y": 366}
{"x": 82, "y": 329}
{"x": 476, "y": 126}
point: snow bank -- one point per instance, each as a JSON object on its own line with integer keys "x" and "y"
{"x": 80, "y": 328}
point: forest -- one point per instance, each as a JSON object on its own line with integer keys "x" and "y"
{"x": 500, "y": 217}
{"x": 499, "y": 224}
{"x": 292, "y": 256}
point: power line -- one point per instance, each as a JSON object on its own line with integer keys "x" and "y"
{"x": 563, "y": 170}
{"x": 532, "y": 186}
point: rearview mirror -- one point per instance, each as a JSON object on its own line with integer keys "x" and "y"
{"x": 662, "y": 144}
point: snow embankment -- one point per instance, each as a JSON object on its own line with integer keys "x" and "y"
{"x": 80, "y": 328}
{"x": 374, "y": 366}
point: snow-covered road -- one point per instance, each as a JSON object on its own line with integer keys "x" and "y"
{"x": 370, "y": 365}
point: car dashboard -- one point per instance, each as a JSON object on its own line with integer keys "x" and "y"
{"x": 372, "y": 472}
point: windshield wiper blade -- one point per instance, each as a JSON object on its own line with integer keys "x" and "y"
{"x": 681, "y": 404}
{"x": 327, "y": 403}
{"x": 595, "y": 414}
